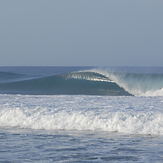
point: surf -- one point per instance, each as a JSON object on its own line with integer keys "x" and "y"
{"x": 86, "y": 83}
{"x": 130, "y": 115}
{"x": 93, "y": 81}
{"x": 136, "y": 83}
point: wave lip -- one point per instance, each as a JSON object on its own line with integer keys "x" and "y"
{"x": 136, "y": 84}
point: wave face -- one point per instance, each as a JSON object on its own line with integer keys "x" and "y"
{"x": 87, "y": 82}
{"x": 136, "y": 83}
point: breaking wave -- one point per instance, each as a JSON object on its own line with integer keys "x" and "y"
{"x": 138, "y": 84}
{"x": 95, "y": 113}
{"x": 90, "y": 82}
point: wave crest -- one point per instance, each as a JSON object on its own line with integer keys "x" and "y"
{"x": 135, "y": 83}
{"x": 145, "y": 123}
{"x": 88, "y": 82}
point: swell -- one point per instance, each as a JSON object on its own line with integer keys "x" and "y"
{"x": 8, "y": 77}
{"x": 87, "y": 83}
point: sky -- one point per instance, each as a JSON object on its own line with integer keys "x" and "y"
{"x": 81, "y": 33}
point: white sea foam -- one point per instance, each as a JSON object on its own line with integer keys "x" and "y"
{"x": 154, "y": 93}
{"x": 121, "y": 122}
{"x": 132, "y": 115}
{"x": 138, "y": 86}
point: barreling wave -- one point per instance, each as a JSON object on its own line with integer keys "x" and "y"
{"x": 87, "y": 83}
{"x": 137, "y": 84}
{"x": 90, "y": 82}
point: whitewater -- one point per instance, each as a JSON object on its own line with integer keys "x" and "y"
{"x": 81, "y": 114}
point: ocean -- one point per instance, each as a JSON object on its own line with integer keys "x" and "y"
{"x": 81, "y": 114}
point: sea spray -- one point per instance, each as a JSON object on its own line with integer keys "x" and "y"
{"x": 135, "y": 83}
{"x": 93, "y": 81}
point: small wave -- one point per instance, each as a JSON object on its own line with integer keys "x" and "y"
{"x": 141, "y": 123}
{"x": 9, "y": 77}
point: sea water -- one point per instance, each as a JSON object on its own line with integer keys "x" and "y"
{"x": 81, "y": 114}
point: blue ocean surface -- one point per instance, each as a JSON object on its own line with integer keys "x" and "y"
{"x": 81, "y": 114}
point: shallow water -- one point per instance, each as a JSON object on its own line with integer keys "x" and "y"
{"x": 80, "y": 128}
{"x": 26, "y": 145}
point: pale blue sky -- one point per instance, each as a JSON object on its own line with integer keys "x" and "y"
{"x": 81, "y": 33}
